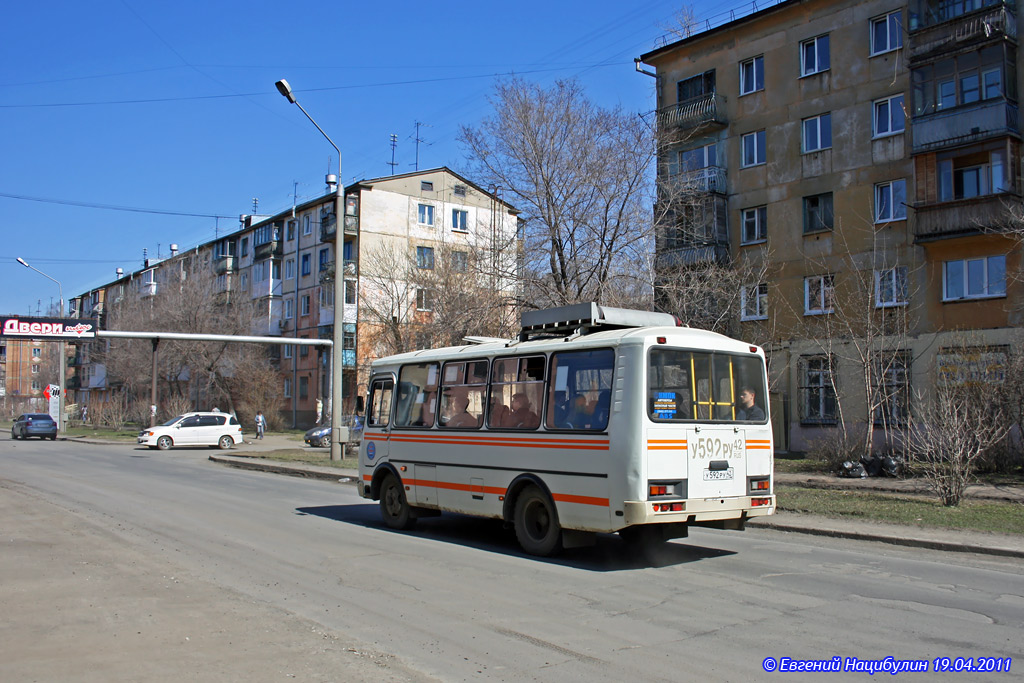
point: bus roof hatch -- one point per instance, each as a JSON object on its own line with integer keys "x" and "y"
{"x": 588, "y": 317}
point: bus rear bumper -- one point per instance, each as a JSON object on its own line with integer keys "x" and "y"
{"x": 698, "y": 512}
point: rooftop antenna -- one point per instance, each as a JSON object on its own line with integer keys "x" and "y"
{"x": 255, "y": 205}
{"x": 394, "y": 143}
{"x": 295, "y": 195}
{"x": 417, "y": 139}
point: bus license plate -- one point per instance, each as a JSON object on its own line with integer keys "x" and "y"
{"x": 717, "y": 475}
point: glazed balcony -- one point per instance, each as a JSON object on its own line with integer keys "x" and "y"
{"x": 964, "y": 125}
{"x": 224, "y": 264}
{"x": 937, "y": 28}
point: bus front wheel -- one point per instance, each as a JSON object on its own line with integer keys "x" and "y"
{"x": 536, "y": 523}
{"x": 394, "y": 506}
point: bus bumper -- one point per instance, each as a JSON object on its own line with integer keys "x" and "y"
{"x": 698, "y": 512}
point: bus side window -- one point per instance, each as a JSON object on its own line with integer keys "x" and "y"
{"x": 379, "y": 414}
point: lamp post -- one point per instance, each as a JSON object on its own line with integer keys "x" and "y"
{"x": 60, "y": 346}
{"x": 337, "y": 360}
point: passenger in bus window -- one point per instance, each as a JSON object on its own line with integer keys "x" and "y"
{"x": 749, "y": 411}
{"x": 581, "y": 413}
{"x": 498, "y": 414}
{"x": 521, "y": 417}
{"x": 462, "y": 417}
{"x": 601, "y": 408}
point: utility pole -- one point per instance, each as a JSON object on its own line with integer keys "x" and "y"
{"x": 394, "y": 143}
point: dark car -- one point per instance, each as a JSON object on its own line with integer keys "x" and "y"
{"x": 321, "y": 436}
{"x": 34, "y": 424}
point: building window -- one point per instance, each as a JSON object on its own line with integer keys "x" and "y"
{"x": 36, "y": 385}
{"x": 244, "y": 280}
{"x": 245, "y": 246}
{"x": 305, "y": 264}
{"x": 753, "y": 148}
{"x": 818, "y": 215}
{"x": 966, "y": 78}
{"x": 426, "y": 186}
{"x": 350, "y": 291}
{"x": 974, "y": 278}
{"x": 303, "y": 351}
{"x": 459, "y": 190}
{"x": 425, "y": 214}
{"x": 290, "y": 232}
{"x": 891, "y": 201}
{"x": 460, "y": 261}
{"x": 424, "y": 300}
{"x": 460, "y": 220}
{"x": 324, "y": 259}
{"x": 752, "y": 75}
{"x": 970, "y": 176}
{"x": 304, "y": 305}
{"x": 817, "y": 133}
{"x": 287, "y": 388}
{"x": 754, "y": 302}
{"x": 814, "y": 56}
{"x": 307, "y": 225}
{"x": 35, "y": 369}
{"x": 890, "y": 116}
{"x": 818, "y": 389}
{"x": 303, "y": 388}
{"x": 287, "y": 350}
{"x": 892, "y": 388}
{"x": 37, "y": 353}
{"x": 755, "y": 225}
{"x": 690, "y": 160}
{"x": 289, "y": 269}
{"x": 425, "y": 258}
{"x": 891, "y": 287}
{"x": 275, "y": 270}
{"x": 886, "y": 33}
{"x": 818, "y": 293}
{"x": 289, "y": 309}
{"x": 695, "y": 86}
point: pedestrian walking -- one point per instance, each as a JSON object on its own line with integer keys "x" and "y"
{"x": 261, "y": 424}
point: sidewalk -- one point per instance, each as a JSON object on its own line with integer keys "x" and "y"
{"x": 247, "y": 456}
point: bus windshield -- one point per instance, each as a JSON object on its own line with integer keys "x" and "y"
{"x": 705, "y": 386}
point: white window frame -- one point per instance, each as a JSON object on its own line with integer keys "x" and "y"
{"x": 289, "y": 269}
{"x": 307, "y": 225}
{"x": 288, "y": 350}
{"x": 37, "y": 353}
{"x": 758, "y": 140}
{"x": 304, "y": 304}
{"x": 819, "y": 127}
{"x": 756, "y": 65}
{"x": 756, "y": 294}
{"x": 460, "y": 220}
{"x": 892, "y": 20}
{"x": 896, "y": 282}
{"x": 425, "y": 214}
{"x": 889, "y": 193}
{"x": 760, "y": 221}
{"x": 287, "y": 387}
{"x": 425, "y": 258}
{"x": 816, "y": 43}
{"x": 424, "y": 299}
{"x": 826, "y": 294}
{"x": 289, "y": 309}
{"x": 896, "y": 113}
{"x": 985, "y": 263}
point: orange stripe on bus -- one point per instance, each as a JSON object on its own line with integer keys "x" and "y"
{"x": 498, "y": 491}
{"x": 582, "y": 500}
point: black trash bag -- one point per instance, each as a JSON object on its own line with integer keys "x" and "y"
{"x": 852, "y": 470}
{"x": 891, "y": 466}
{"x": 872, "y": 465}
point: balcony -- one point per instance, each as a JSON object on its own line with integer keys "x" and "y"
{"x": 707, "y": 179}
{"x": 703, "y": 110}
{"x": 224, "y": 264}
{"x": 694, "y": 233}
{"x": 965, "y": 125}
{"x": 267, "y": 250}
{"x": 351, "y": 225}
{"x": 935, "y": 28}
{"x": 960, "y": 217}
{"x": 328, "y": 226}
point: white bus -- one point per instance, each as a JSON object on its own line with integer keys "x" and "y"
{"x": 595, "y": 420}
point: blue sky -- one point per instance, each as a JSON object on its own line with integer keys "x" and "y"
{"x": 172, "y": 107}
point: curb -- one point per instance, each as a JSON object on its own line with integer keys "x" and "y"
{"x": 890, "y": 539}
{"x": 276, "y": 468}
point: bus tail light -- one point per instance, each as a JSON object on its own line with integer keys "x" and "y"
{"x": 669, "y": 507}
{"x": 760, "y": 502}
{"x": 760, "y": 485}
{"x": 658, "y": 490}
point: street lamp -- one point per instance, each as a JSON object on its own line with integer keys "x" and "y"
{"x": 337, "y": 361}
{"x": 60, "y": 348}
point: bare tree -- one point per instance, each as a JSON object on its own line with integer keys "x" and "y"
{"x": 965, "y": 418}
{"x": 580, "y": 174}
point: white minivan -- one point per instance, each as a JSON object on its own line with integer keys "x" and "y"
{"x": 194, "y": 429}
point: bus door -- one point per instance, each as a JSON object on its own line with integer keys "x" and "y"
{"x": 715, "y": 445}
{"x": 377, "y": 431}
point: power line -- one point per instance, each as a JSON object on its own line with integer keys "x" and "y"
{"x": 111, "y": 207}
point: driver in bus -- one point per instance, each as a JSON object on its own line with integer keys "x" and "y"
{"x": 748, "y": 410}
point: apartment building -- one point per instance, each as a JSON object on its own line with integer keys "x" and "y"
{"x": 866, "y": 156}
{"x": 285, "y": 265}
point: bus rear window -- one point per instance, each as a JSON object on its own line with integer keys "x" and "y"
{"x": 703, "y": 386}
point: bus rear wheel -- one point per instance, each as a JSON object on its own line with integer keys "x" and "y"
{"x": 536, "y": 523}
{"x": 394, "y": 506}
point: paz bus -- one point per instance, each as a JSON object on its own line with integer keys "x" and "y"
{"x": 594, "y": 420}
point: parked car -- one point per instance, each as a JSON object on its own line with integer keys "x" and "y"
{"x": 194, "y": 429}
{"x": 321, "y": 435}
{"x": 34, "y": 424}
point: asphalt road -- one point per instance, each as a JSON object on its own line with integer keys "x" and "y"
{"x": 120, "y": 563}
